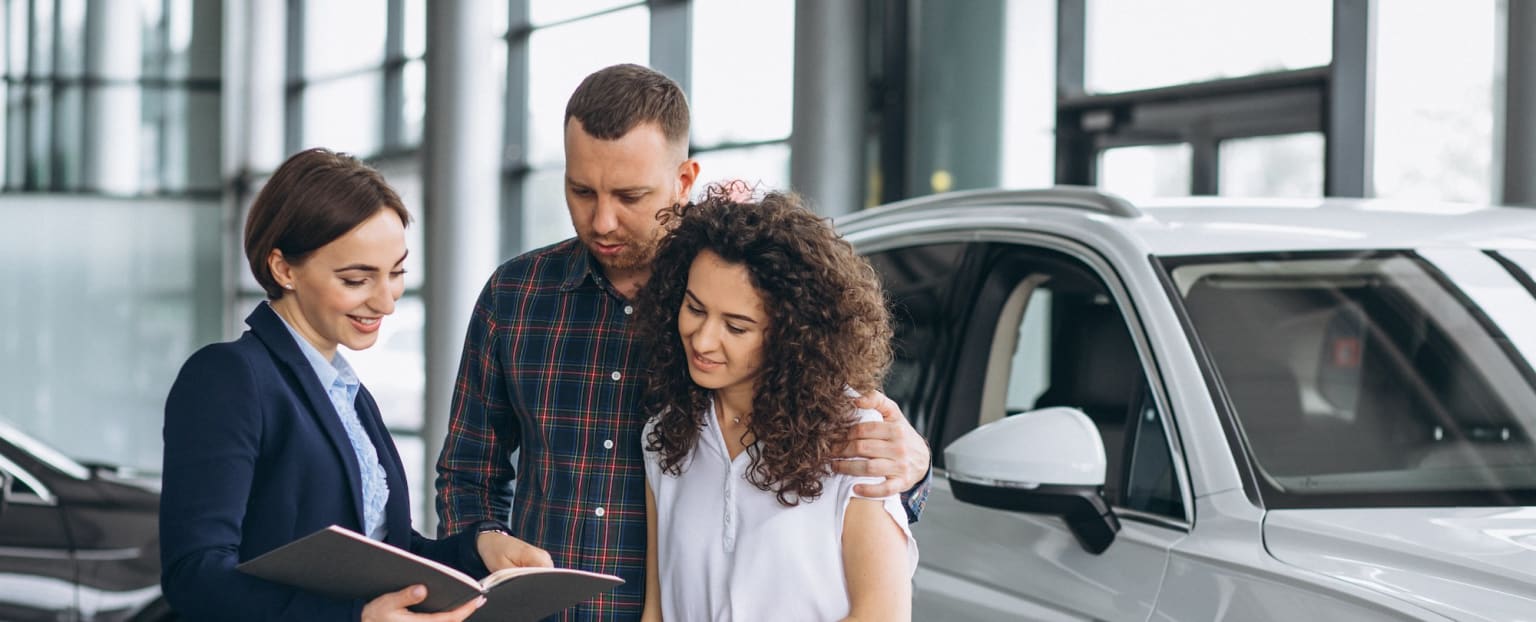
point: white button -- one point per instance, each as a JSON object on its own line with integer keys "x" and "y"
{"x": 617, "y": 375}
{"x": 629, "y": 310}
{"x": 599, "y": 512}
{"x": 608, "y": 444}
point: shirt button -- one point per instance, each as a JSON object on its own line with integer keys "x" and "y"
{"x": 608, "y": 444}
{"x": 629, "y": 310}
{"x": 599, "y": 512}
{"x": 616, "y": 375}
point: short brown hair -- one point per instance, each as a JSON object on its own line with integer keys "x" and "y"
{"x": 613, "y": 100}
{"x": 316, "y": 196}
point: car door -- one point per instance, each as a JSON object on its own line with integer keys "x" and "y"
{"x": 1040, "y": 325}
{"x": 37, "y": 569}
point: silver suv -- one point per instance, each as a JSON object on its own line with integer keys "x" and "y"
{"x": 1216, "y": 409}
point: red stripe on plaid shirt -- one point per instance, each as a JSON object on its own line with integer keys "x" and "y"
{"x": 550, "y": 370}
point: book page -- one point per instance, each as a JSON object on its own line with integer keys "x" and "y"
{"x": 530, "y": 594}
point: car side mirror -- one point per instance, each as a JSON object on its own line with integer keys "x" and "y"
{"x": 1047, "y": 461}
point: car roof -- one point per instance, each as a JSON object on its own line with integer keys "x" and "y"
{"x": 1221, "y": 225}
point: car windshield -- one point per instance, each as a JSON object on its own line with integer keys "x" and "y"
{"x": 1375, "y": 378}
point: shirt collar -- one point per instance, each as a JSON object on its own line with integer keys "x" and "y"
{"x": 578, "y": 267}
{"x": 330, "y": 372}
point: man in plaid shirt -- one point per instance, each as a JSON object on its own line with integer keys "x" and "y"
{"x": 550, "y": 369}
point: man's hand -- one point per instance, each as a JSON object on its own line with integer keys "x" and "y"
{"x": 499, "y": 550}
{"x": 892, "y": 449}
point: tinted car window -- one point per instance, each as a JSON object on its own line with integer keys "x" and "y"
{"x": 918, "y": 282}
{"x": 1382, "y": 373}
{"x": 1045, "y": 332}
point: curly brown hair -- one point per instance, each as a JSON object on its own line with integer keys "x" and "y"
{"x": 828, "y": 329}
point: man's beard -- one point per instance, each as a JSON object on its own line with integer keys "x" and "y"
{"x": 637, "y": 255}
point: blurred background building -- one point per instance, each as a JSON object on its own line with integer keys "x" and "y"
{"x": 134, "y": 133}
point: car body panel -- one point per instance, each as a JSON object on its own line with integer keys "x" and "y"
{"x": 1224, "y": 573}
{"x": 1465, "y": 563}
{"x": 76, "y": 542}
{"x": 1110, "y": 586}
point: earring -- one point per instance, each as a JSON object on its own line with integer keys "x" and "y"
{"x": 287, "y": 285}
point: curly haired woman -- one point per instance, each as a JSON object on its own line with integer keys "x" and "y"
{"x": 763, "y": 327}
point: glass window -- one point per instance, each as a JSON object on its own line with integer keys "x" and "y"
{"x": 5, "y": 126}
{"x": 1058, "y": 339}
{"x": 181, "y": 140}
{"x": 1146, "y": 171}
{"x": 1434, "y": 103}
{"x": 1272, "y": 166}
{"x": 1390, "y": 373}
{"x": 394, "y": 369}
{"x": 413, "y": 458}
{"x": 415, "y": 43}
{"x": 546, "y": 219}
{"x": 1151, "y": 482}
{"x": 16, "y": 38}
{"x": 1136, "y": 45}
{"x": 560, "y": 56}
{"x": 404, "y": 175}
{"x": 1029, "y": 95}
{"x": 1030, "y": 368}
{"x": 14, "y": 147}
{"x": 917, "y": 282}
{"x": 766, "y": 166}
{"x": 192, "y": 39}
{"x": 414, "y": 112}
{"x": 69, "y": 56}
{"x": 542, "y": 12}
{"x": 38, "y": 174}
{"x": 743, "y": 78}
{"x": 89, "y": 262}
{"x": 41, "y": 35}
{"x": 344, "y": 35}
{"x": 67, "y": 140}
{"x": 344, "y": 114}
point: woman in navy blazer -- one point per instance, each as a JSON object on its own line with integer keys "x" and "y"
{"x": 258, "y": 451}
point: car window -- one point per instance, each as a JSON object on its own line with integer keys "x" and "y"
{"x": 1057, "y": 338}
{"x": 1370, "y": 378}
{"x": 918, "y": 281}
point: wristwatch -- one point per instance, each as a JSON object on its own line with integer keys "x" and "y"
{"x": 490, "y": 526}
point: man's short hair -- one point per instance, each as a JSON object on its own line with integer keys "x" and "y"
{"x": 613, "y": 100}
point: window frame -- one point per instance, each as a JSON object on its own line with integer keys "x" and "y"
{"x": 948, "y": 400}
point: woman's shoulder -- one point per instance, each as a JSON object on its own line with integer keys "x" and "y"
{"x": 241, "y": 357}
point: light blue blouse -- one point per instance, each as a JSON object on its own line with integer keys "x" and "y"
{"x": 341, "y": 386}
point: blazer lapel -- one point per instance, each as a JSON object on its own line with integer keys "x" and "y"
{"x": 397, "y": 509}
{"x": 271, "y": 330}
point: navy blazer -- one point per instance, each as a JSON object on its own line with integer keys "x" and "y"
{"x": 256, "y": 457}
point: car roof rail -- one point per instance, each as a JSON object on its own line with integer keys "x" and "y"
{"x": 1071, "y": 197}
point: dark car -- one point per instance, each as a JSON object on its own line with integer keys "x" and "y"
{"x": 77, "y": 542}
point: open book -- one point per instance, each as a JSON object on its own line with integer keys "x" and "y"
{"x": 342, "y": 563}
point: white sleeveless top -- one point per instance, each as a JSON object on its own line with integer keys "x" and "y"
{"x": 728, "y": 551}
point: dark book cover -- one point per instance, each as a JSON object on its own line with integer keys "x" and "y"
{"x": 342, "y": 563}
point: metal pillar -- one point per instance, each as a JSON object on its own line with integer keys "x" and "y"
{"x": 113, "y": 57}
{"x": 460, "y": 158}
{"x": 1351, "y": 125}
{"x": 1517, "y": 161}
{"x": 826, "y": 162}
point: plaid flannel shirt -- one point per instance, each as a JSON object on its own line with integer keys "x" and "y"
{"x": 550, "y": 370}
